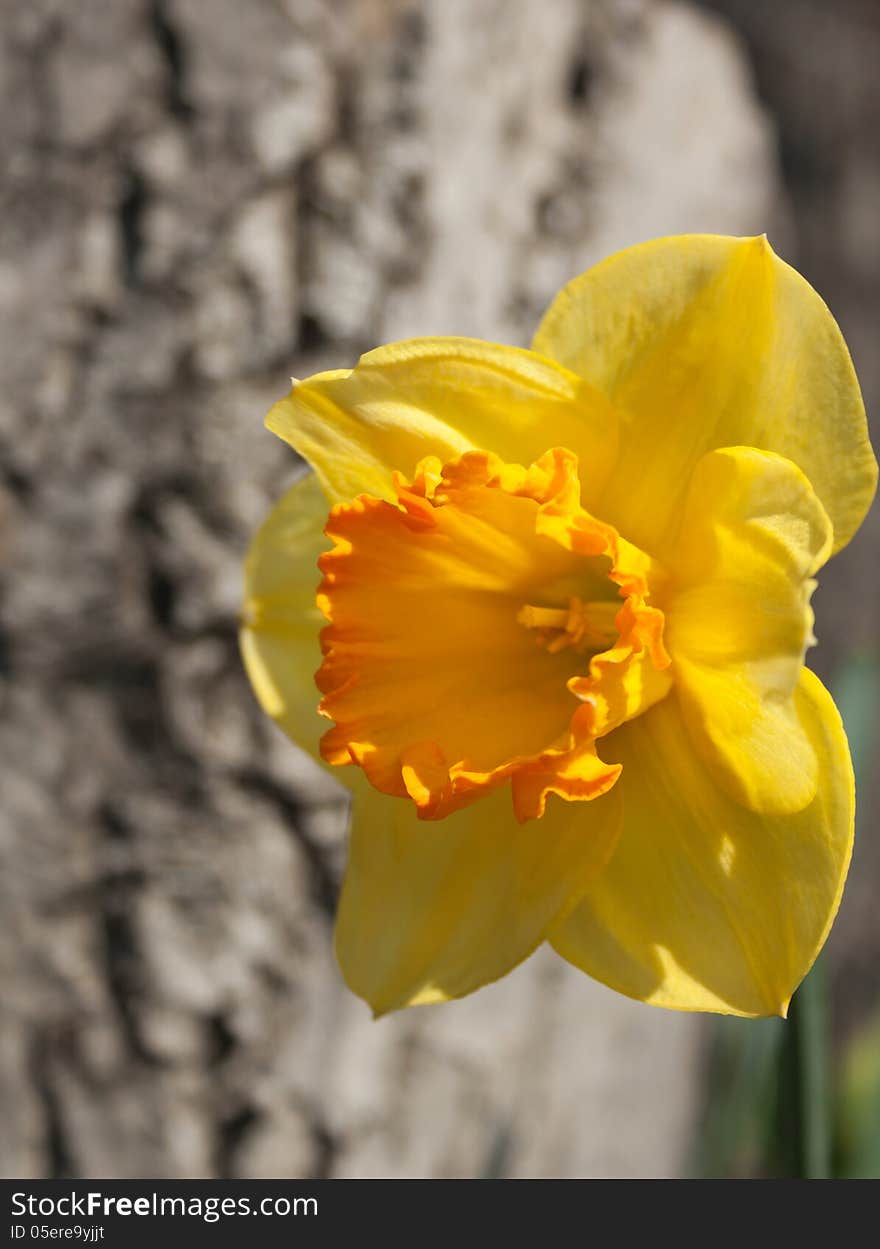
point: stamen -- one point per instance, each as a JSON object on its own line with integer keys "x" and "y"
{"x": 585, "y": 626}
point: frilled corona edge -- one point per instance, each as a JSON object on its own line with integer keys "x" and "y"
{"x": 458, "y": 656}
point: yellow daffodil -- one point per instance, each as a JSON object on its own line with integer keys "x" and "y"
{"x": 561, "y": 631}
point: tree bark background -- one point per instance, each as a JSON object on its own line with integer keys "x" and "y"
{"x": 199, "y": 198}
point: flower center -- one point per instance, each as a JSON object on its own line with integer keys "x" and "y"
{"x": 586, "y": 627}
{"x": 484, "y": 628}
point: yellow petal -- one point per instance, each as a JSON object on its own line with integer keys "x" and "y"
{"x": 702, "y": 341}
{"x": 706, "y": 905}
{"x": 441, "y": 396}
{"x": 281, "y": 621}
{"x": 739, "y": 622}
{"x": 433, "y": 911}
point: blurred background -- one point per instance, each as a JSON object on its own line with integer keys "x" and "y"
{"x": 200, "y": 198}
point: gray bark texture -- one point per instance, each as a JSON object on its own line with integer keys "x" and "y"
{"x": 199, "y": 199}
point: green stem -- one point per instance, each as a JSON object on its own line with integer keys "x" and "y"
{"x": 804, "y": 1126}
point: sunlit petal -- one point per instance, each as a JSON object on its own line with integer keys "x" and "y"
{"x": 739, "y": 621}
{"x": 706, "y": 905}
{"x": 442, "y": 397}
{"x": 703, "y": 341}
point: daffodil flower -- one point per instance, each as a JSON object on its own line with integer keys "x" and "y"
{"x": 561, "y": 630}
